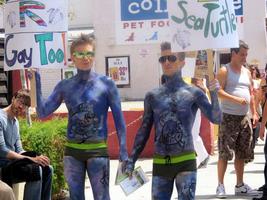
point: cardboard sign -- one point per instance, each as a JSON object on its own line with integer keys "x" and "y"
{"x": 201, "y": 68}
{"x": 204, "y": 64}
{"x": 202, "y": 24}
{"x": 39, "y": 50}
{"x": 36, "y": 16}
{"x": 35, "y": 34}
{"x": 141, "y": 21}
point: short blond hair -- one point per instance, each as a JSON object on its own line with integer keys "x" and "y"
{"x": 83, "y": 39}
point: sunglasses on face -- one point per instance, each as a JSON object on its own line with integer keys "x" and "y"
{"x": 170, "y": 58}
{"x": 84, "y": 54}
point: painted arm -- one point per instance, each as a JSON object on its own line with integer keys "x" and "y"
{"x": 46, "y": 107}
{"x": 143, "y": 133}
{"x": 211, "y": 110}
{"x": 115, "y": 105}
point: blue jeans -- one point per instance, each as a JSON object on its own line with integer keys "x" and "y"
{"x": 185, "y": 184}
{"x": 40, "y": 190}
{"x": 37, "y": 190}
{"x": 98, "y": 172}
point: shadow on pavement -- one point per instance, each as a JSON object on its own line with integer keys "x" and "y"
{"x": 199, "y": 197}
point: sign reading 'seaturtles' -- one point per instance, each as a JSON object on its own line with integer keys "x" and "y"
{"x": 189, "y": 24}
{"x": 202, "y": 24}
{"x": 35, "y": 34}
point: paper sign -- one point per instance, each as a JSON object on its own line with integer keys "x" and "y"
{"x": 43, "y": 50}
{"x": 198, "y": 25}
{"x": 141, "y": 21}
{"x": 36, "y": 34}
{"x": 138, "y": 179}
{"x": 36, "y": 16}
{"x": 201, "y": 67}
{"x": 118, "y": 68}
{"x": 204, "y": 64}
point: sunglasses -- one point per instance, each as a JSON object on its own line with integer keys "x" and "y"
{"x": 84, "y": 54}
{"x": 170, "y": 58}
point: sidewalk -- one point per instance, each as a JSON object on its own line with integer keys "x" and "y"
{"x": 206, "y": 179}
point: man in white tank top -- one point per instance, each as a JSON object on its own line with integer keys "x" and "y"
{"x": 235, "y": 131}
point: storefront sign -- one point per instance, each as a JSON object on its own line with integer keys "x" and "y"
{"x": 118, "y": 68}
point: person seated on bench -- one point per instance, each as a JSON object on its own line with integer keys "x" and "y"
{"x": 12, "y": 156}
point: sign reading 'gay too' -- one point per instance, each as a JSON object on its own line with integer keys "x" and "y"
{"x": 35, "y": 34}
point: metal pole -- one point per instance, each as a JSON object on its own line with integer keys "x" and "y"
{"x": 24, "y": 86}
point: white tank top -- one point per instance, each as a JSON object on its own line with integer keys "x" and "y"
{"x": 236, "y": 85}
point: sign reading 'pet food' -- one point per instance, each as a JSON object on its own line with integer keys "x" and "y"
{"x": 36, "y": 34}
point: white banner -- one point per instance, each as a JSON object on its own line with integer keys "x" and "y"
{"x": 202, "y": 24}
{"x": 38, "y": 50}
{"x": 141, "y": 21}
{"x": 36, "y": 16}
{"x": 36, "y": 34}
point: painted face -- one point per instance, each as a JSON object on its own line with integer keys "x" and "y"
{"x": 169, "y": 62}
{"x": 18, "y": 107}
{"x": 241, "y": 56}
{"x": 83, "y": 57}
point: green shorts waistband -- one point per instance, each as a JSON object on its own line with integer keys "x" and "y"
{"x": 158, "y": 159}
{"x": 87, "y": 146}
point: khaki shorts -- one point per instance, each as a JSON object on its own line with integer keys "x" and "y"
{"x": 235, "y": 136}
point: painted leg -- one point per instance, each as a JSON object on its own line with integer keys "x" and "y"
{"x": 98, "y": 173}
{"x": 186, "y": 185}
{"x": 74, "y": 171}
{"x": 162, "y": 188}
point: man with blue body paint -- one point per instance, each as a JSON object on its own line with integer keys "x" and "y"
{"x": 171, "y": 109}
{"x": 88, "y": 97}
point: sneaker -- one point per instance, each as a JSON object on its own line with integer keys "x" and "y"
{"x": 245, "y": 190}
{"x": 220, "y": 191}
{"x": 260, "y": 198}
{"x": 260, "y": 189}
{"x": 204, "y": 163}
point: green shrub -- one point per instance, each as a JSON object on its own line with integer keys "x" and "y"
{"x": 47, "y": 138}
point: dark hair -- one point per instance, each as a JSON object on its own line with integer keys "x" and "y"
{"x": 83, "y": 39}
{"x": 258, "y": 74}
{"x": 167, "y": 46}
{"x": 24, "y": 95}
{"x": 242, "y": 44}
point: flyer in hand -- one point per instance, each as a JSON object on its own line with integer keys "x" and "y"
{"x": 137, "y": 180}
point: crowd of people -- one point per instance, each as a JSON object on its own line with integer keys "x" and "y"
{"x": 237, "y": 103}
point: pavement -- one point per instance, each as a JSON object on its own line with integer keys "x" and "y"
{"x": 206, "y": 179}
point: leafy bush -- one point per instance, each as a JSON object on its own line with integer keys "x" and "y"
{"x": 47, "y": 138}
